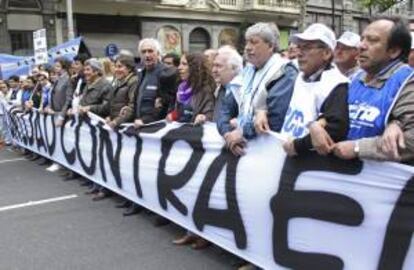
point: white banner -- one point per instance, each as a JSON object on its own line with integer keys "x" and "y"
{"x": 310, "y": 212}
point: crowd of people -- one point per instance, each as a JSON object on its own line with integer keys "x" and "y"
{"x": 350, "y": 97}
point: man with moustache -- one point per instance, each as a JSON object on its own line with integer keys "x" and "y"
{"x": 381, "y": 96}
{"x": 317, "y": 114}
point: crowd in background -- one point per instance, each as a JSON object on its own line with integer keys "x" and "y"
{"x": 351, "y": 97}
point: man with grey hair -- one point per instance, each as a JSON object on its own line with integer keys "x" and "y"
{"x": 227, "y": 64}
{"x": 267, "y": 77}
{"x": 148, "y": 90}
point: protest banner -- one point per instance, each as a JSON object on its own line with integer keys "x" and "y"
{"x": 308, "y": 212}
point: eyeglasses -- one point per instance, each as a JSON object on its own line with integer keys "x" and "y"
{"x": 309, "y": 47}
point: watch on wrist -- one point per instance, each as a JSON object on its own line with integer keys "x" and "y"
{"x": 356, "y": 148}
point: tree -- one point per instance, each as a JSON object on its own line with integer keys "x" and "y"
{"x": 378, "y": 5}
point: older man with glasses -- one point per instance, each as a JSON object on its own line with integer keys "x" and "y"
{"x": 346, "y": 53}
{"x": 317, "y": 114}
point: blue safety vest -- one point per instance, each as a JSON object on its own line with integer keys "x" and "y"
{"x": 369, "y": 107}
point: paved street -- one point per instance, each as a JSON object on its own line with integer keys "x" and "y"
{"x": 67, "y": 230}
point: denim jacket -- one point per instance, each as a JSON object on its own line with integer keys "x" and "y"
{"x": 276, "y": 102}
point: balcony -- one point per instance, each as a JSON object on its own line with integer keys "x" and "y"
{"x": 285, "y": 6}
{"x": 280, "y": 6}
{"x": 231, "y": 4}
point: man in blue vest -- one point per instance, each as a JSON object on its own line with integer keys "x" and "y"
{"x": 381, "y": 96}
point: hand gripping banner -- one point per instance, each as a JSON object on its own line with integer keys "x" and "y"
{"x": 311, "y": 212}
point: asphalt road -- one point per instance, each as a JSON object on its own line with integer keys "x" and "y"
{"x": 67, "y": 230}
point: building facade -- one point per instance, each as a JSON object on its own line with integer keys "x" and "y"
{"x": 18, "y": 20}
{"x": 180, "y": 25}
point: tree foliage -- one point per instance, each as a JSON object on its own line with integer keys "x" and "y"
{"x": 379, "y": 5}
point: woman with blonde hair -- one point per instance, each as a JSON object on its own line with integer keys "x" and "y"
{"x": 109, "y": 68}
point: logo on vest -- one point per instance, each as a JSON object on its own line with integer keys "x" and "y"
{"x": 294, "y": 123}
{"x": 363, "y": 114}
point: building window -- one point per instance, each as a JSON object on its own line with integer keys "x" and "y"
{"x": 22, "y": 42}
{"x": 362, "y": 23}
{"x": 199, "y": 40}
{"x": 26, "y": 4}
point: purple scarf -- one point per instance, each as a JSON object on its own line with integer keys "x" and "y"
{"x": 184, "y": 93}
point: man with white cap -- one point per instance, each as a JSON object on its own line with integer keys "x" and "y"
{"x": 411, "y": 55}
{"x": 346, "y": 53}
{"x": 315, "y": 118}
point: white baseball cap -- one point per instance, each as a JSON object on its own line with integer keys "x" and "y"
{"x": 350, "y": 39}
{"x": 412, "y": 40}
{"x": 317, "y": 31}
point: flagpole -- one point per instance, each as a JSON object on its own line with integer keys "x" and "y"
{"x": 69, "y": 14}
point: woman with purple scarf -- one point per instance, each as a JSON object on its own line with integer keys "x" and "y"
{"x": 195, "y": 104}
{"x": 195, "y": 98}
